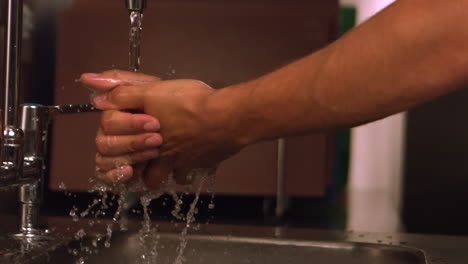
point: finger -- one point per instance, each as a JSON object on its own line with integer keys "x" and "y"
{"x": 106, "y": 163}
{"x": 120, "y": 145}
{"x": 118, "y": 175}
{"x": 134, "y": 97}
{"x": 110, "y": 79}
{"x": 122, "y": 123}
{"x": 122, "y": 98}
{"x": 130, "y": 77}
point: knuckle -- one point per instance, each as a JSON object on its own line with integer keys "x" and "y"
{"x": 110, "y": 120}
{"x": 134, "y": 124}
{"x": 107, "y": 115}
{"x": 117, "y": 95}
{"x": 103, "y": 144}
{"x": 115, "y": 73}
{"x": 134, "y": 145}
{"x": 98, "y": 158}
{"x": 99, "y": 143}
{"x": 106, "y": 126}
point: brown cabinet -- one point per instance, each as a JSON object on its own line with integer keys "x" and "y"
{"x": 219, "y": 42}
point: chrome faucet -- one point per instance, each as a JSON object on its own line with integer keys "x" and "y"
{"x": 25, "y": 130}
{"x": 135, "y": 5}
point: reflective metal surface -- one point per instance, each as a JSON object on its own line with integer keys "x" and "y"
{"x": 24, "y": 130}
{"x": 205, "y": 249}
{"x": 135, "y": 5}
{"x": 12, "y": 61}
{"x": 228, "y": 244}
{"x": 34, "y": 124}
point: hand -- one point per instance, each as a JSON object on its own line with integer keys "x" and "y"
{"x": 195, "y": 134}
{"x": 124, "y": 139}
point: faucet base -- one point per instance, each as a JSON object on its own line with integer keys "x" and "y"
{"x": 33, "y": 234}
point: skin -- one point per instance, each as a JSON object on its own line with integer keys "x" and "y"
{"x": 412, "y": 52}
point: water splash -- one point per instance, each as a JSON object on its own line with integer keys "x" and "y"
{"x": 202, "y": 174}
{"x": 148, "y": 234}
{"x": 149, "y": 237}
{"x": 62, "y": 186}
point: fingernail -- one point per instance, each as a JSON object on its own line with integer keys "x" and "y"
{"x": 109, "y": 80}
{"x": 153, "y": 141}
{"x": 98, "y": 77}
{"x": 151, "y": 126}
{"x": 90, "y": 75}
{"x": 99, "y": 98}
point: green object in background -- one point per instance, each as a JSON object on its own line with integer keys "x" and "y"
{"x": 347, "y": 18}
{"x": 347, "y": 22}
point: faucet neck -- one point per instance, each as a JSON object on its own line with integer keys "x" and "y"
{"x": 11, "y": 161}
{"x": 12, "y": 62}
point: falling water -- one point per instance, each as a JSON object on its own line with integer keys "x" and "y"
{"x": 148, "y": 234}
{"x": 189, "y": 218}
{"x": 136, "y": 18}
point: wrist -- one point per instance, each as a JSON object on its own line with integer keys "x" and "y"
{"x": 229, "y": 108}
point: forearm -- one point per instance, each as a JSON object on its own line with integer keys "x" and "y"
{"x": 410, "y": 53}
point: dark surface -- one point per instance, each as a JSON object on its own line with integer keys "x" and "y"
{"x": 240, "y": 210}
{"x": 436, "y": 175}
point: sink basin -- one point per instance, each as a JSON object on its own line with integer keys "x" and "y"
{"x": 226, "y": 244}
{"x": 212, "y": 249}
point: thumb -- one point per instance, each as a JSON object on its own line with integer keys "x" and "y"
{"x": 108, "y": 80}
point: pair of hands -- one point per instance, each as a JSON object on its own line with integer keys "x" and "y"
{"x": 153, "y": 128}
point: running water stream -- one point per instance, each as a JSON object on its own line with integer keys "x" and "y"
{"x": 136, "y": 19}
{"x": 148, "y": 234}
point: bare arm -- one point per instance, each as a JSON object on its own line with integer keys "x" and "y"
{"x": 410, "y": 53}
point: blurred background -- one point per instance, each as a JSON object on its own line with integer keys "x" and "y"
{"x": 405, "y": 173}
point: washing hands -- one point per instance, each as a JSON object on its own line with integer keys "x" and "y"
{"x": 155, "y": 129}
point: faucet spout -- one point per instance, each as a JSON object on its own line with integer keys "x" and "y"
{"x": 135, "y": 5}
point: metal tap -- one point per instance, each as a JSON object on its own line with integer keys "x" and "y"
{"x": 135, "y": 5}
{"x": 25, "y": 130}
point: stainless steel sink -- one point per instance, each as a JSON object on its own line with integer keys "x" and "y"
{"x": 209, "y": 244}
{"x": 210, "y": 249}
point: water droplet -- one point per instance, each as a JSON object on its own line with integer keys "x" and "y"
{"x": 62, "y": 186}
